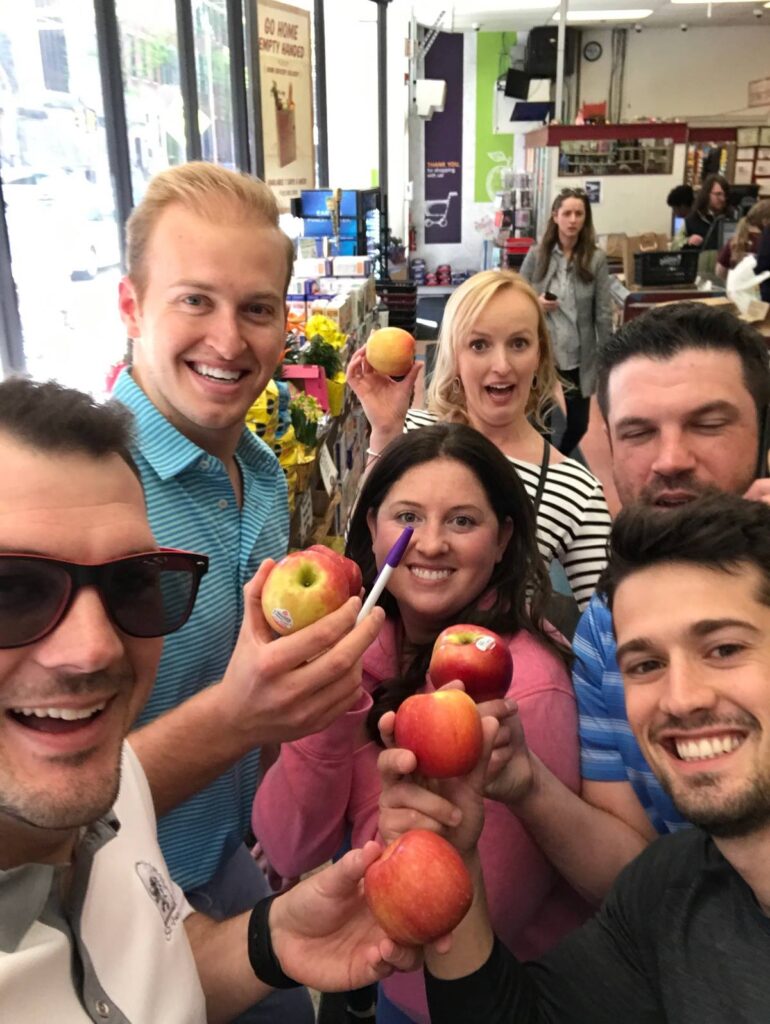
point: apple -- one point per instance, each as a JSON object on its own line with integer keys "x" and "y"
{"x": 302, "y": 588}
{"x": 353, "y": 570}
{"x": 477, "y": 656}
{"x": 390, "y": 350}
{"x": 443, "y": 731}
{"x": 419, "y": 889}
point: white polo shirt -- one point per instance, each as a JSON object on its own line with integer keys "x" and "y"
{"x": 116, "y": 950}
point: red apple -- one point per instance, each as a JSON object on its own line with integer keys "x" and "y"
{"x": 302, "y": 588}
{"x": 477, "y": 656}
{"x": 390, "y": 350}
{"x": 443, "y": 731}
{"x": 355, "y": 580}
{"x": 419, "y": 889}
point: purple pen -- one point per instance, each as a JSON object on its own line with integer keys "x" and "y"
{"x": 395, "y": 555}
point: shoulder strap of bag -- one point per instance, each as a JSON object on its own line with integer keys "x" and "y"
{"x": 543, "y": 474}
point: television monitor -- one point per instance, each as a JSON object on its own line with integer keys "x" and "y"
{"x": 742, "y": 197}
{"x": 677, "y": 224}
{"x": 517, "y": 84}
{"x": 532, "y": 111}
{"x": 726, "y": 230}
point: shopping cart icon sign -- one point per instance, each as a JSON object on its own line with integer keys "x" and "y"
{"x": 437, "y": 211}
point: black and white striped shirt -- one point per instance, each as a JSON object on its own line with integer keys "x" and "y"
{"x": 573, "y": 521}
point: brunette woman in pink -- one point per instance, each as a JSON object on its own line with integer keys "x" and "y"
{"x": 472, "y": 558}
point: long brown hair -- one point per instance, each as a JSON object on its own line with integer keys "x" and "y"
{"x": 702, "y": 198}
{"x": 586, "y": 243}
{"x": 758, "y": 218}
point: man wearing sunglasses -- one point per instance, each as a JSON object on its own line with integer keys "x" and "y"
{"x": 203, "y": 302}
{"x": 91, "y": 927}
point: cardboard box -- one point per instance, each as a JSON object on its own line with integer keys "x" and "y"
{"x": 306, "y": 266}
{"x": 351, "y": 266}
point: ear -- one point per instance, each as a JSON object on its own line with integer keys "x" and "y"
{"x": 503, "y": 536}
{"x": 128, "y": 304}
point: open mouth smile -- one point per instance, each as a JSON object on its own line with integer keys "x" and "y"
{"x": 701, "y": 749}
{"x": 57, "y": 719}
{"x": 217, "y": 374}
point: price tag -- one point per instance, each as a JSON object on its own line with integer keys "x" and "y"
{"x": 328, "y": 470}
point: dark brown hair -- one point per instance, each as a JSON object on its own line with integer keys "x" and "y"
{"x": 702, "y": 198}
{"x": 586, "y": 243}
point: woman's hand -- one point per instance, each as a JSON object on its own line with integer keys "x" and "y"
{"x": 510, "y": 775}
{"x": 548, "y": 305}
{"x": 695, "y": 240}
{"x": 385, "y": 401}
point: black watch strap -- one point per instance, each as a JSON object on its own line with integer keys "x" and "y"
{"x": 262, "y": 958}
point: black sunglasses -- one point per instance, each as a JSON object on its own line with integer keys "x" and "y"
{"x": 579, "y": 193}
{"x": 145, "y": 595}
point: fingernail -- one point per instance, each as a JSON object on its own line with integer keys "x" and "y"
{"x": 456, "y": 817}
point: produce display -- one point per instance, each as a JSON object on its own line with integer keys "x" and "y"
{"x": 443, "y": 731}
{"x": 419, "y": 889}
{"x": 477, "y": 656}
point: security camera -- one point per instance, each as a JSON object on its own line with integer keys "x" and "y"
{"x": 637, "y": 27}
{"x": 683, "y": 27}
{"x": 757, "y": 12}
{"x": 476, "y": 26}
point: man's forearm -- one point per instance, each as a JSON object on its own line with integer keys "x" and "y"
{"x": 185, "y": 749}
{"x": 221, "y": 955}
{"x": 588, "y": 846}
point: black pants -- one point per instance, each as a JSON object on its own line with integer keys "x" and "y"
{"x": 578, "y": 411}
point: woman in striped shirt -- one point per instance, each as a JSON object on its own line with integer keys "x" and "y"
{"x": 495, "y": 371}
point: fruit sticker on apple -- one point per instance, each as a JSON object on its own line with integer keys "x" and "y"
{"x": 443, "y": 731}
{"x": 390, "y": 350}
{"x": 302, "y": 588}
{"x": 419, "y": 889}
{"x": 477, "y": 656}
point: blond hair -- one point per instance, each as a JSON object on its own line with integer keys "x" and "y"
{"x": 208, "y": 190}
{"x": 758, "y": 218}
{"x": 445, "y": 398}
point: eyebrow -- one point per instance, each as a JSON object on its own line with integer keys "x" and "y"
{"x": 703, "y": 410}
{"x": 208, "y": 286}
{"x": 475, "y": 333}
{"x": 421, "y": 508}
{"x": 698, "y": 630}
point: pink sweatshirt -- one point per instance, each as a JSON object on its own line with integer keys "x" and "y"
{"x": 326, "y": 783}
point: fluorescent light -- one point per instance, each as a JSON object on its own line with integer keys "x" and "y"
{"x": 715, "y": 3}
{"x": 629, "y": 14}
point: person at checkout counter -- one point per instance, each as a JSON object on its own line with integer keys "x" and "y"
{"x": 710, "y": 207}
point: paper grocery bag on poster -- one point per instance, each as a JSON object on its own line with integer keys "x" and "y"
{"x": 647, "y": 242}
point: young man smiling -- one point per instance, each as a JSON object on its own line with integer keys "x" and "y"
{"x": 684, "y": 934}
{"x": 91, "y": 927}
{"x": 203, "y": 302}
{"x": 683, "y": 390}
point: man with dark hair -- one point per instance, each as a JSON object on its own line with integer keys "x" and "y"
{"x": 683, "y": 935}
{"x": 683, "y": 390}
{"x": 91, "y": 926}
{"x": 681, "y": 199}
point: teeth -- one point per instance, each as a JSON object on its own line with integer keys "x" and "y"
{"x": 705, "y": 749}
{"x": 431, "y": 574}
{"x": 68, "y": 714}
{"x": 216, "y": 372}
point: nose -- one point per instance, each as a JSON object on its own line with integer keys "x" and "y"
{"x": 673, "y": 455}
{"x": 85, "y": 640}
{"x": 225, "y": 336}
{"x": 430, "y": 539}
{"x": 500, "y": 360}
{"x": 685, "y": 689}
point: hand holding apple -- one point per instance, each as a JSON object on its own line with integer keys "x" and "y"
{"x": 390, "y": 351}
{"x": 302, "y": 588}
{"x": 443, "y": 730}
{"x": 419, "y": 889}
{"x": 476, "y": 656}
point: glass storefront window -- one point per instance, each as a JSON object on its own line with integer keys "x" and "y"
{"x": 154, "y": 109}
{"x": 212, "y": 65}
{"x": 60, "y": 210}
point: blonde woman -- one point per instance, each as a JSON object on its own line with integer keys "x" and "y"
{"x": 495, "y": 371}
{"x": 745, "y": 241}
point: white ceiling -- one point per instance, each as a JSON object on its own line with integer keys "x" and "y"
{"x": 497, "y": 15}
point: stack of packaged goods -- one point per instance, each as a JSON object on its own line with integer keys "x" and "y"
{"x": 443, "y": 274}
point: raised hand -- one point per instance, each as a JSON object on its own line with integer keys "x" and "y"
{"x": 385, "y": 401}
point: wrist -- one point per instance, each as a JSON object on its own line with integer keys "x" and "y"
{"x": 231, "y": 719}
{"x": 525, "y": 794}
{"x": 380, "y": 439}
{"x": 262, "y": 955}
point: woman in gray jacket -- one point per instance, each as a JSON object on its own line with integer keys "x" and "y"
{"x": 569, "y": 273}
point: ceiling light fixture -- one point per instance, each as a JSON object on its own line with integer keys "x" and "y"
{"x": 629, "y": 14}
{"x": 716, "y": 3}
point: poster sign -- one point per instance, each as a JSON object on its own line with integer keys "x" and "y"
{"x": 444, "y": 143}
{"x": 759, "y": 92}
{"x": 593, "y": 191}
{"x": 285, "y": 56}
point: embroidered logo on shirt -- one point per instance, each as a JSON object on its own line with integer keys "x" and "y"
{"x": 160, "y": 893}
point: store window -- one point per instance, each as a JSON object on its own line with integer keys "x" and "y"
{"x": 153, "y": 97}
{"x": 212, "y": 64}
{"x": 60, "y": 211}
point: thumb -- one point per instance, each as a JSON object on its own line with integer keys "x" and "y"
{"x": 477, "y": 775}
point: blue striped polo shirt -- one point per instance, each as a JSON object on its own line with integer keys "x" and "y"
{"x": 608, "y": 750}
{"x": 191, "y": 504}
